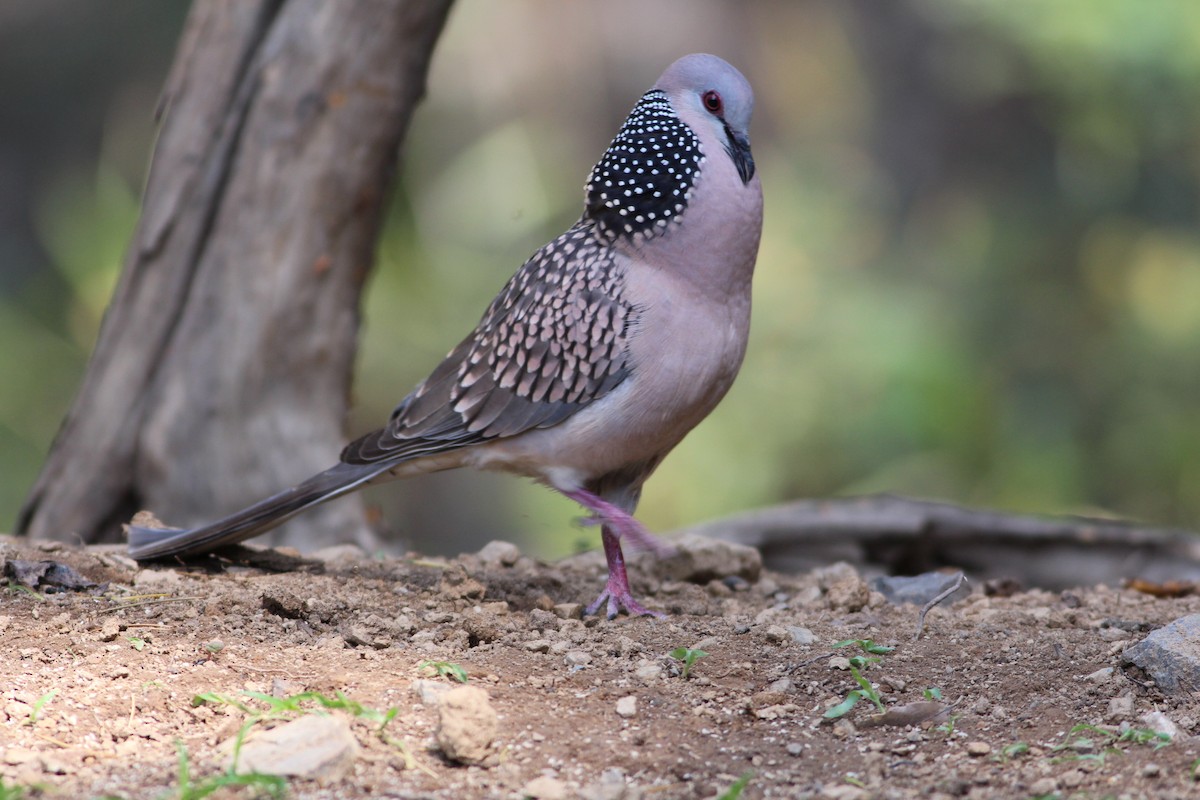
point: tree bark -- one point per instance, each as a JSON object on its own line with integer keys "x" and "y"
{"x": 223, "y": 366}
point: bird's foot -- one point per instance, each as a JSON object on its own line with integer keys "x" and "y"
{"x": 616, "y": 598}
{"x": 616, "y": 594}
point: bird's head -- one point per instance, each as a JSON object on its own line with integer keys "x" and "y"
{"x": 700, "y": 108}
{"x": 716, "y": 101}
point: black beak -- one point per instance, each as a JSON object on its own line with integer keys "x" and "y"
{"x": 738, "y": 148}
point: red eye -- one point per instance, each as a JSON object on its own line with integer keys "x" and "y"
{"x": 712, "y": 101}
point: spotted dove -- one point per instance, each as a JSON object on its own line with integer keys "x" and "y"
{"x": 604, "y": 349}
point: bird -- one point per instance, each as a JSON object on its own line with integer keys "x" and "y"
{"x": 600, "y": 353}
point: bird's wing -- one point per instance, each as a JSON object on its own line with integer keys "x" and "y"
{"x": 553, "y": 341}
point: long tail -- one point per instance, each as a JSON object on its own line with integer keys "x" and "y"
{"x": 150, "y": 543}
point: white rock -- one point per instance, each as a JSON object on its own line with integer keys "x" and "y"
{"x": 467, "y": 724}
{"x": 312, "y": 746}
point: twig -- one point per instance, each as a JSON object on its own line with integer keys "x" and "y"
{"x": 148, "y": 603}
{"x": 925, "y": 609}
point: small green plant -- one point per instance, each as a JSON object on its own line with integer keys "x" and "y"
{"x": 1093, "y": 743}
{"x": 737, "y": 787}
{"x": 871, "y": 648}
{"x": 1158, "y": 739}
{"x": 854, "y": 780}
{"x": 8, "y": 792}
{"x": 189, "y": 790}
{"x": 292, "y": 706}
{"x": 36, "y": 709}
{"x": 866, "y": 690}
{"x": 688, "y": 657}
{"x": 947, "y": 727}
{"x": 932, "y": 693}
{"x": 445, "y": 669}
{"x": 136, "y": 642}
{"x": 1011, "y": 751}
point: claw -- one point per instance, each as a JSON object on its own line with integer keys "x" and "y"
{"x": 617, "y": 594}
{"x": 617, "y": 600}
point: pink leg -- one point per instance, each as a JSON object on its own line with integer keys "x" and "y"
{"x": 622, "y": 523}
{"x": 616, "y": 591}
{"x": 614, "y": 523}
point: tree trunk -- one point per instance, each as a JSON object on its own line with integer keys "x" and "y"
{"x": 223, "y": 366}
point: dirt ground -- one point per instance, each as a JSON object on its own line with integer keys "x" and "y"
{"x": 97, "y": 688}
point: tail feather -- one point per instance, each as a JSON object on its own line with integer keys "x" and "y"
{"x": 150, "y": 543}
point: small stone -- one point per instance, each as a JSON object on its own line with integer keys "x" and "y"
{"x": 977, "y": 749}
{"x": 801, "y": 635}
{"x": 538, "y": 646}
{"x": 794, "y": 748}
{"x": 568, "y": 610}
{"x": 1072, "y": 778}
{"x": 1100, "y": 676}
{"x": 1159, "y": 722}
{"x": 1043, "y": 787}
{"x": 467, "y": 724}
{"x": 611, "y": 786}
{"x": 1120, "y": 707}
{"x": 497, "y": 553}
{"x": 842, "y": 791}
{"x": 648, "y": 671}
{"x": 777, "y": 634}
{"x": 839, "y": 662}
{"x": 456, "y": 583}
{"x": 1150, "y": 770}
{"x": 545, "y": 788}
{"x": 312, "y": 746}
{"x": 782, "y": 685}
{"x": 110, "y": 630}
{"x": 699, "y": 559}
{"x": 429, "y": 691}
{"x": 844, "y": 589}
{"x": 578, "y": 659}
{"x": 627, "y": 707}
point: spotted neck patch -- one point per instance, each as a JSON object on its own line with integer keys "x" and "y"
{"x": 643, "y": 181}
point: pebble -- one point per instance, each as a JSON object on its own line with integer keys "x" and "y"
{"x": 1151, "y": 770}
{"x": 578, "y": 659}
{"x": 1043, "y": 787}
{"x": 777, "y": 634}
{"x": 611, "y": 786}
{"x": 538, "y": 646}
{"x": 801, "y": 635}
{"x": 312, "y": 746}
{"x": 627, "y": 707}
{"x": 1159, "y": 722}
{"x": 977, "y": 749}
{"x": 545, "y": 788}
{"x": 795, "y": 748}
{"x": 1100, "y": 676}
{"x": 568, "y": 610}
{"x": 699, "y": 559}
{"x": 429, "y": 691}
{"x": 648, "y": 671}
{"x": 1072, "y": 778}
{"x": 498, "y": 553}
{"x": 1120, "y": 707}
{"x": 467, "y": 724}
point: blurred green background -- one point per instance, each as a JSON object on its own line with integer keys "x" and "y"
{"x": 979, "y": 277}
